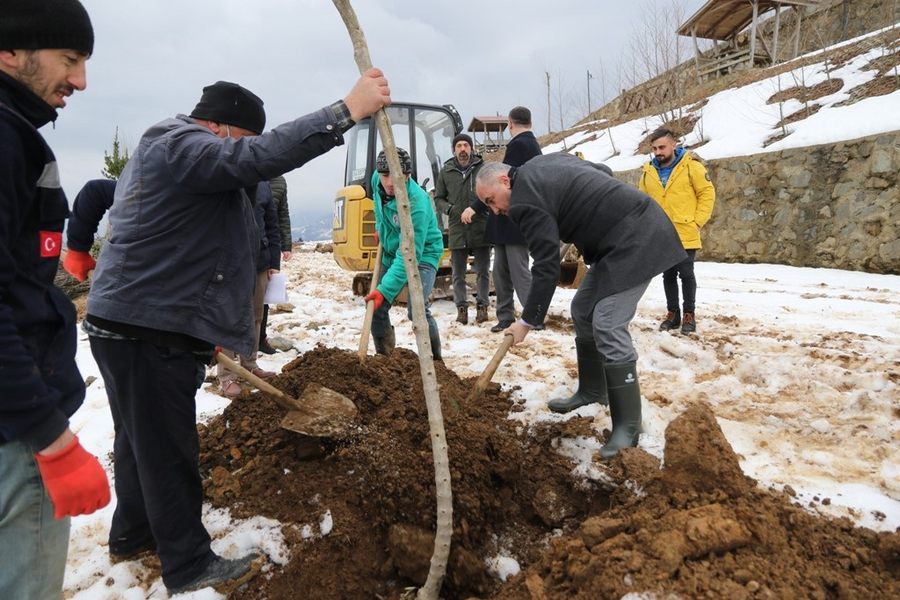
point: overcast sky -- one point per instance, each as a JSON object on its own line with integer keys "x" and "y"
{"x": 152, "y": 59}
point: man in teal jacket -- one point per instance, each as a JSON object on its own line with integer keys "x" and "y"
{"x": 429, "y": 248}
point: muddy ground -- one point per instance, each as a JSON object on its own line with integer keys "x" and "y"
{"x": 696, "y": 528}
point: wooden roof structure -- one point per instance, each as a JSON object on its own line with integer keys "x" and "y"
{"x": 722, "y": 19}
{"x": 487, "y": 126}
{"x": 483, "y": 124}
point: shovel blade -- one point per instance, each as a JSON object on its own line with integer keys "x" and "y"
{"x": 321, "y": 412}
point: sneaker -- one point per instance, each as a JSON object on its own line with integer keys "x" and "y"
{"x": 462, "y": 314}
{"x": 481, "y": 314}
{"x": 231, "y": 389}
{"x": 672, "y": 320}
{"x": 262, "y": 373}
{"x": 688, "y": 324}
{"x": 265, "y": 347}
{"x": 223, "y": 574}
{"x": 501, "y": 326}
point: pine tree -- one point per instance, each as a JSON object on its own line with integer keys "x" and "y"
{"x": 116, "y": 161}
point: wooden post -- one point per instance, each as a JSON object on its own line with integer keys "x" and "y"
{"x": 696, "y": 53}
{"x": 753, "y": 32}
{"x": 799, "y": 11}
{"x": 777, "y": 27}
{"x": 444, "y": 520}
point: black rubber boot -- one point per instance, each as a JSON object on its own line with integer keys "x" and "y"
{"x": 672, "y": 320}
{"x": 219, "y": 572}
{"x": 385, "y": 344}
{"x": 624, "y": 408}
{"x": 436, "y": 346}
{"x": 591, "y": 379}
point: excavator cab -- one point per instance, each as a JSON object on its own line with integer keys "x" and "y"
{"x": 426, "y": 131}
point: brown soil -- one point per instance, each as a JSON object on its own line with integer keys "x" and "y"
{"x": 808, "y": 94}
{"x": 878, "y": 86}
{"x": 697, "y": 528}
{"x": 801, "y": 114}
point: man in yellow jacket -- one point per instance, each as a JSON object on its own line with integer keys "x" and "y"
{"x": 681, "y": 185}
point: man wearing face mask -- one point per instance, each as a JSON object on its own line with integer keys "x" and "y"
{"x": 46, "y": 476}
{"x": 176, "y": 277}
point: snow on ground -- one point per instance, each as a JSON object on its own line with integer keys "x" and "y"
{"x": 738, "y": 121}
{"x": 802, "y": 367}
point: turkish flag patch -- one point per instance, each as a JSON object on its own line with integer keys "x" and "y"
{"x": 51, "y": 243}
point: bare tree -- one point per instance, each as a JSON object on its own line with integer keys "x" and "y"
{"x": 654, "y": 54}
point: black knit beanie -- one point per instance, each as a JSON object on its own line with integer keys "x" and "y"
{"x": 462, "y": 137}
{"x": 228, "y": 103}
{"x": 45, "y": 24}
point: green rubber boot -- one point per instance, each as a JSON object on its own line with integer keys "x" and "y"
{"x": 435, "y": 346}
{"x": 385, "y": 344}
{"x": 591, "y": 379}
{"x": 624, "y": 408}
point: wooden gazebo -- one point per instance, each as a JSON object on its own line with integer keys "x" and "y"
{"x": 487, "y": 126}
{"x": 723, "y": 20}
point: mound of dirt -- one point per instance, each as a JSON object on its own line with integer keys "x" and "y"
{"x": 509, "y": 490}
{"x": 697, "y": 527}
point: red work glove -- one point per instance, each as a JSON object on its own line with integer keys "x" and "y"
{"x": 376, "y": 297}
{"x": 78, "y": 264}
{"x": 76, "y": 482}
{"x": 377, "y": 239}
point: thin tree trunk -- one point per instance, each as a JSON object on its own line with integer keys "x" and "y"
{"x": 444, "y": 528}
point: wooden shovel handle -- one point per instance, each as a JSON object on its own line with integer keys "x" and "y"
{"x": 261, "y": 384}
{"x": 370, "y": 309}
{"x": 489, "y": 371}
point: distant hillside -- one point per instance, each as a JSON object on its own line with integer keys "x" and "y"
{"x": 310, "y": 226}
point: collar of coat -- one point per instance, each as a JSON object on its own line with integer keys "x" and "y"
{"x": 21, "y": 99}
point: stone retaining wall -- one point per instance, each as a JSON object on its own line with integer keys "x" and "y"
{"x": 836, "y": 205}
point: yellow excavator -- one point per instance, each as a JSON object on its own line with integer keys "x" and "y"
{"x": 426, "y": 132}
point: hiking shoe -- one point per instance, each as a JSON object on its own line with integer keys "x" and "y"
{"x": 231, "y": 389}
{"x": 481, "y": 314}
{"x": 672, "y": 320}
{"x": 501, "y": 326}
{"x": 265, "y": 347}
{"x": 222, "y": 574}
{"x": 689, "y": 324}
{"x": 462, "y": 314}
{"x": 262, "y": 373}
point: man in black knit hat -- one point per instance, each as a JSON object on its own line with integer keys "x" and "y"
{"x": 176, "y": 278}
{"x": 454, "y": 192}
{"x": 46, "y": 476}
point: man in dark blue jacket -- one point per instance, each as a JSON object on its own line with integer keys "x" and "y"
{"x": 623, "y": 235}
{"x": 268, "y": 262}
{"x": 175, "y": 278}
{"x": 511, "y": 272}
{"x": 45, "y": 474}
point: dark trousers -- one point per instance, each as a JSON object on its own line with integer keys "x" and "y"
{"x": 685, "y": 270}
{"x": 265, "y": 320}
{"x": 156, "y": 450}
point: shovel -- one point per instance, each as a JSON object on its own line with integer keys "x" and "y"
{"x": 489, "y": 371}
{"x": 370, "y": 309}
{"x": 319, "y": 412}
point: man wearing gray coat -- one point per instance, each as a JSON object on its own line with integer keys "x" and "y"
{"x": 625, "y": 238}
{"x": 175, "y": 278}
